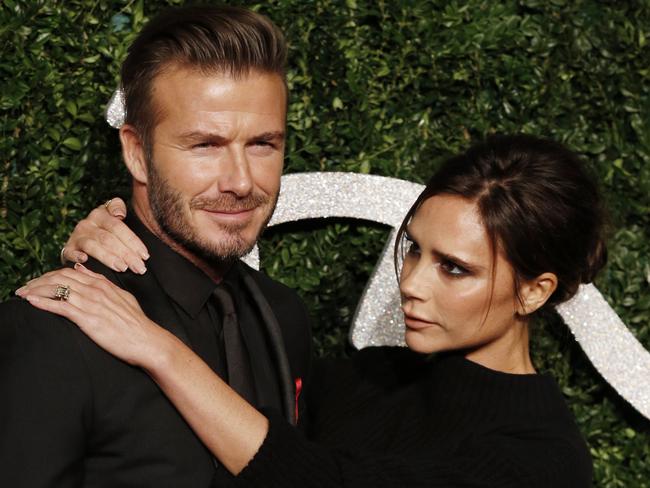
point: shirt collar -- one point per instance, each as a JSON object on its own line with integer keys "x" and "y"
{"x": 183, "y": 282}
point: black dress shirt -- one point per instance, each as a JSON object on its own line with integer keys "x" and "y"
{"x": 191, "y": 296}
{"x": 73, "y": 415}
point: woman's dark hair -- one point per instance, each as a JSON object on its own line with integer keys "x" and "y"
{"x": 538, "y": 205}
{"x": 210, "y": 39}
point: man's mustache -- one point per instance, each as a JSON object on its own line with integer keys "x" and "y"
{"x": 229, "y": 203}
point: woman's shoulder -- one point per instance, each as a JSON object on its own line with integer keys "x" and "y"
{"x": 383, "y": 366}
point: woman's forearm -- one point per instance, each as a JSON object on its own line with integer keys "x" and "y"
{"x": 229, "y": 426}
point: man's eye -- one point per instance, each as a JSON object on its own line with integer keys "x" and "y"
{"x": 263, "y": 144}
{"x": 453, "y": 269}
{"x": 202, "y": 145}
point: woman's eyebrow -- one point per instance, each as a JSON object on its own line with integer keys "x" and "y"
{"x": 447, "y": 256}
{"x": 455, "y": 259}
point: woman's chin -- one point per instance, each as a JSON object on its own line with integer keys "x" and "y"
{"x": 416, "y": 341}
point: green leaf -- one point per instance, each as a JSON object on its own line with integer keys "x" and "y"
{"x": 72, "y": 143}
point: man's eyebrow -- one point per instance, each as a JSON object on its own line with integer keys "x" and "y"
{"x": 211, "y": 136}
{"x": 269, "y": 136}
{"x": 201, "y": 136}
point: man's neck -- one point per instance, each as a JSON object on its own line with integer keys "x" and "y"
{"x": 213, "y": 270}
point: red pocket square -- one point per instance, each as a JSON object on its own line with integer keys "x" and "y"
{"x": 298, "y": 382}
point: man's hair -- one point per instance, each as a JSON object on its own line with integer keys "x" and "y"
{"x": 211, "y": 39}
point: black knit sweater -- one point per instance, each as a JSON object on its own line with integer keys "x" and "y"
{"x": 392, "y": 418}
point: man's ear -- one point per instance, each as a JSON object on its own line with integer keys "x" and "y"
{"x": 133, "y": 153}
{"x": 534, "y": 293}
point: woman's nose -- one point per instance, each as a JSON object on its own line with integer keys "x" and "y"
{"x": 415, "y": 280}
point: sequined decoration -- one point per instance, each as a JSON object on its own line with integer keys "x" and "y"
{"x": 611, "y": 347}
{"x": 378, "y": 319}
{"x": 115, "y": 110}
{"x": 617, "y": 355}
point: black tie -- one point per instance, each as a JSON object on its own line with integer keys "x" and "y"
{"x": 240, "y": 377}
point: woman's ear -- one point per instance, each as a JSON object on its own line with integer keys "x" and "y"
{"x": 133, "y": 153}
{"x": 534, "y": 293}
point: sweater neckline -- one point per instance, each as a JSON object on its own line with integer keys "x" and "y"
{"x": 456, "y": 380}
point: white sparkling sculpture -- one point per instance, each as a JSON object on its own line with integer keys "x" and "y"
{"x": 611, "y": 347}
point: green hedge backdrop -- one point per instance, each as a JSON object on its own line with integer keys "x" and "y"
{"x": 382, "y": 87}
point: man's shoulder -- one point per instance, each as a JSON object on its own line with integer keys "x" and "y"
{"x": 29, "y": 336}
{"x": 145, "y": 287}
{"x": 16, "y": 311}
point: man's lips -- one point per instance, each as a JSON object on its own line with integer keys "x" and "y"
{"x": 230, "y": 214}
{"x": 229, "y": 211}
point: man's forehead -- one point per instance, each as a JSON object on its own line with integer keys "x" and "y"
{"x": 189, "y": 92}
{"x": 183, "y": 73}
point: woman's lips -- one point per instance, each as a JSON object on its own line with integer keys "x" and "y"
{"x": 413, "y": 322}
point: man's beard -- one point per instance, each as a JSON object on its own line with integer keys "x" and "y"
{"x": 167, "y": 207}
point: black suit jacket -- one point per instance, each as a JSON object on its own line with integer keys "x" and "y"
{"x": 73, "y": 415}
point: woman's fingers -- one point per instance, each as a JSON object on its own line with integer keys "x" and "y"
{"x": 54, "y": 277}
{"x": 73, "y": 256}
{"x": 104, "y": 321}
{"x": 80, "y": 279}
{"x": 87, "y": 238}
{"x": 60, "y": 307}
{"x": 110, "y": 217}
{"x": 109, "y": 315}
{"x": 47, "y": 291}
{"x": 116, "y": 207}
{"x": 104, "y": 236}
{"x": 83, "y": 270}
{"x": 109, "y": 250}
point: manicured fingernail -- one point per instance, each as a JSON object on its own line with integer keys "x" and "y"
{"x": 142, "y": 269}
{"x": 144, "y": 255}
{"x": 79, "y": 266}
{"x": 120, "y": 266}
{"x": 118, "y": 214}
{"x": 33, "y": 298}
{"x": 20, "y": 290}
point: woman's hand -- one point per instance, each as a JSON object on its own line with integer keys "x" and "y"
{"x": 105, "y": 237}
{"x": 110, "y": 316}
{"x": 230, "y": 427}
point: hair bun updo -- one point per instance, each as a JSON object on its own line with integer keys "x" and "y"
{"x": 539, "y": 206}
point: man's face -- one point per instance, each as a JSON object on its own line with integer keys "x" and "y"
{"x": 217, "y": 155}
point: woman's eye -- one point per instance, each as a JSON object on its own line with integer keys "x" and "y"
{"x": 453, "y": 269}
{"x": 412, "y": 247}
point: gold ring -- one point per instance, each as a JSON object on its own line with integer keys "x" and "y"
{"x": 107, "y": 203}
{"x": 62, "y": 292}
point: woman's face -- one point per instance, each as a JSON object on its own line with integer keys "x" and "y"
{"x": 446, "y": 283}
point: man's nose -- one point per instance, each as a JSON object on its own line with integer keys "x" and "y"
{"x": 236, "y": 176}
